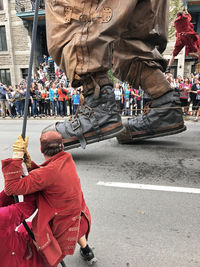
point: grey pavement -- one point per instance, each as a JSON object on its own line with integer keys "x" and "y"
{"x": 133, "y": 227}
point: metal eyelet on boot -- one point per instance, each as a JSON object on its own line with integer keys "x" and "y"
{"x": 75, "y": 123}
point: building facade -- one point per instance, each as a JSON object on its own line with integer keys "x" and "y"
{"x": 16, "y": 19}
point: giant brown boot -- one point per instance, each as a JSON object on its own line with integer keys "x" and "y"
{"x": 96, "y": 120}
{"x": 162, "y": 116}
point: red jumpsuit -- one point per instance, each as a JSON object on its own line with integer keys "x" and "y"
{"x": 17, "y": 248}
{"x": 185, "y": 35}
{"x": 61, "y": 206}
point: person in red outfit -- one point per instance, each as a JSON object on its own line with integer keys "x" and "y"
{"x": 62, "y": 94}
{"x": 63, "y": 218}
{"x": 17, "y": 248}
{"x": 185, "y": 36}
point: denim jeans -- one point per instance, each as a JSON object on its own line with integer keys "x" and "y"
{"x": 57, "y": 107}
{"x": 126, "y": 107}
{"x": 74, "y": 108}
{"x": 19, "y": 107}
{"x": 65, "y": 108}
{"x": 61, "y": 106}
{"x": 34, "y": 107}
{"x": 53, "y": 106}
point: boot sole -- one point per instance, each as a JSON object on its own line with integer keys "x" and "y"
{"x": 153, "y": 135}
{"x": 108, "y": 132}
{"x": 89, "y": 262}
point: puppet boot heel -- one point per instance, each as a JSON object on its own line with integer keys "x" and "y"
{"x": 163, "y": 116}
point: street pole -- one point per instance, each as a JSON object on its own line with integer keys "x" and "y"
{"x": 33, "y": 45}
{"x": 34, "y": 33}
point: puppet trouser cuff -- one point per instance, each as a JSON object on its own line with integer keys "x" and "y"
{"x": 91, "y": 81}
{"x": 150, "y": 78}
{"x": 154, "y": 82}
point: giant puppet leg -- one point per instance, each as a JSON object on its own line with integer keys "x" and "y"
{"x": 80, "y": 38}
{"x": 137, "y": 59}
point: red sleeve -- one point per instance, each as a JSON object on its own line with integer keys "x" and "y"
{"x": 59, "y": 91}
{"x": 188, "y": 16}
{"x": 11, "y": 168}
{"x": 33, "y": 166}
{"x": 15, "y": 214}
{"x": 36, "y": 180}
{"x": 191, "y": 26}
{"x": 5, "y": 200}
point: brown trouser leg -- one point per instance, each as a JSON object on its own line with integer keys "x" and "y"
{"x": 81, "y": 37}
{"x": 137, "y": 53}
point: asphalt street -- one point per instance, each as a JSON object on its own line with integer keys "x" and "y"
{"x": 133, "y": 227}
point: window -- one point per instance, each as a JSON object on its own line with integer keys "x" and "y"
{"x": 3, "y": 42}
{"x": 1, "y": 5}
{"x": 24, "y": 73}
{"x": 5, "y": 76}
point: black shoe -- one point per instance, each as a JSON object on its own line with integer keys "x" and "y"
{"x": 96, "y": 120}
{"x": 163, "y": 116}
{"x": 88, "y": 256}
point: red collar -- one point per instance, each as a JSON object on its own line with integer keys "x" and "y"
{"x": 58, "y": 155}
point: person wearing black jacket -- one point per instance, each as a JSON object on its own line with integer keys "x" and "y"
{"x": 193, "y": 96}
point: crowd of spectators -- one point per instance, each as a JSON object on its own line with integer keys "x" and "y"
{"x": 52, "y": 95}
{"x": 53, "y": 98}
{"x": 189, "y": 91}
{"x": 131, "y": 102}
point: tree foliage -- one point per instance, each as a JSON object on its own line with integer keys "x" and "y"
{"x": 111, "y": 76}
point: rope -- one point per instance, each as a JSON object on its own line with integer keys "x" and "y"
{"x": 185, "y": 4}
{"x": 176, "y": 107}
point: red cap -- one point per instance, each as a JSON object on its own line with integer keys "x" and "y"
{"x": 50, "y": 139}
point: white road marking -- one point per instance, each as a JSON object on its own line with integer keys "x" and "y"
{"x": 151, "y": 187}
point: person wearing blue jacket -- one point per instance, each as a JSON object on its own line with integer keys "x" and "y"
{"x": 52, "y": 96}
{"x": 75, "y": 99}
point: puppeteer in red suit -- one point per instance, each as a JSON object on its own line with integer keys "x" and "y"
{"x": 63, "y": 218}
